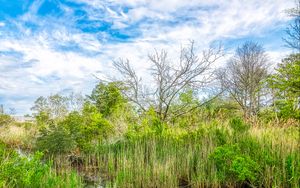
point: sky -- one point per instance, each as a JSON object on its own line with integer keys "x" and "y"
{"x": 58, "y": 46}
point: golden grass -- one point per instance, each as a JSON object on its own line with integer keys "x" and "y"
{"x": 18, "y": 136}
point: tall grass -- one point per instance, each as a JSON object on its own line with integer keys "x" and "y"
{"x": 188, "y": 158}
{"x": 211, "y": 154}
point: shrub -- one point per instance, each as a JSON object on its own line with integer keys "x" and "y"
{"x": 55, "y": 139}
{"x": 223, "y": 157}
{"x": 244, "y": 168}
{"x": 233, "y": 165}
{"x": 29, "y": 171}
{"x": 95, "y": 125}
{"x": 75, "y": 131}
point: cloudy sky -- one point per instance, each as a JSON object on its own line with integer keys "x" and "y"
{"x": 56, "y": 46}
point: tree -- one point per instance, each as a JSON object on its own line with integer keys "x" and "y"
{"x": 293, "y": 31}
{"x": 40, "y": 105}
{"x": 107, "y": 97}
{"x": 54, "y": 106}
{"x": 244, "y": 75}
{"x": 286, "y": 84}
{"x": 75, "y": 102}
{"x": 170, "y": 79}
{"x": 58, "y": 105}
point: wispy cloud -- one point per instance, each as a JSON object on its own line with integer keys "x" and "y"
{"x": 56, "y": 46}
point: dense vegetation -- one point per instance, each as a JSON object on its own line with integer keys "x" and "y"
{"x": 247, "y": 134}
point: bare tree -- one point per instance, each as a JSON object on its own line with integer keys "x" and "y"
{"x": 244, "y": 75}
{"x": 293, "y": 31}
{"x": 75, "y": 101}
{"x": 170, "y": 79}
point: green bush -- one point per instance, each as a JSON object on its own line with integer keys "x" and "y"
{"x": 56, "y": 140}
{"x": 223, "y": 157}
{"x": 75, "y": 131}
{"x": 244, "y": 168}
{"x": 30, "y": 172}
{"x": 234, "y": 166}
{"x": 42, "y": 118}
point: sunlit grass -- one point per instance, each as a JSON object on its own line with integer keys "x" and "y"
{"x": 18, "y": 136}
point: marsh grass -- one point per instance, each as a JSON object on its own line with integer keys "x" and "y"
{"x": 18, "y": 135}
{"x": 178, "y": 156}
{"x": 186, "y": 158}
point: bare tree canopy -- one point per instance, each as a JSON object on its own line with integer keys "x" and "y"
{"x": 293, "y": 31}
{"x": 243, "y": 76}
{"x": 170, "y": 79}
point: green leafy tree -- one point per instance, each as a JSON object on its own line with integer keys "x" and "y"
{"x": 107, "y": 97}
{"x": 285, "y": 83}
{"x": 95, "y": 124}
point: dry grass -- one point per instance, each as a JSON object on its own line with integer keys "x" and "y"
{"x": 17, "y": 136}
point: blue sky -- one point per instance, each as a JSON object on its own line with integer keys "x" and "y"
{"x": 56, "y": 46}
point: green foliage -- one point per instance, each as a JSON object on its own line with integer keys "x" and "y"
{"x": 188, "y": 97}
{"x": 220, "y": 108}
{"x": 286, "y": 84}
{"x": 244, "y": 168}
{"x": 152, "y": 120}
{"x": 107, "y": 97}
{"x": 95, "y": 124}
{"x": 42, "y": 118}
{"x": 223, "y": 157}
{"x": 30, "y": 171}
{"x": 55, "y": 107}
{"x": 55, "y": 140}
{"x": 221, "y": 136}
{"x": 76, "y": 130}
{"x": 233, "y": 165}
